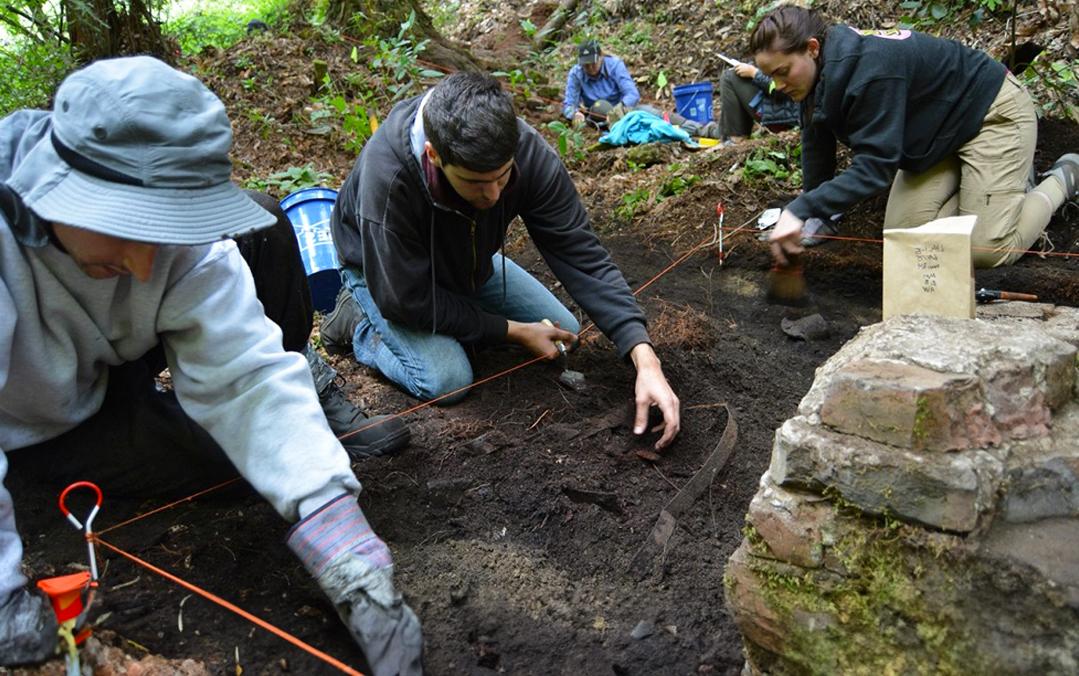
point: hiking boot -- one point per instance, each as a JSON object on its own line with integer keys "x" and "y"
{"x": 338, "y": 327}
{"x": 1066, "y": 169}
{"x": 361, "y": 436}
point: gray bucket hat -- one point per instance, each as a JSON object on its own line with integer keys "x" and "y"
{"x": 138, "y": 150}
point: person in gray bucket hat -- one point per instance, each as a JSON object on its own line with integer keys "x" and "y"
{"x": 124, "y": 247}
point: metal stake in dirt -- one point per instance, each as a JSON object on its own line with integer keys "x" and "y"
{"x": 72, "y": 595}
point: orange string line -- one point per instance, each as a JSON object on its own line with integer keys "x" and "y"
{"x": 170, "y": 505}
{"x": 234, "y": 608}
{"x": 871, "y": 240}
{"x": 522, "y": 365}
{"x": 262, "y": 623}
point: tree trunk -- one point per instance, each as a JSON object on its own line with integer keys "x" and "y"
{"x": 365, "y": 18}
{"x": 106, "y": 28}
{"x": 548, "y": 35}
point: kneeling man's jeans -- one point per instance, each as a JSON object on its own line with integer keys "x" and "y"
{"x": 428, "y": 365}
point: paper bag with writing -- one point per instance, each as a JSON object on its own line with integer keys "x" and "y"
{"x": 929, "y": 270}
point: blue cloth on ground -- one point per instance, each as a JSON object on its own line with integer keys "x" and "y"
{"x": 641, "y": 127}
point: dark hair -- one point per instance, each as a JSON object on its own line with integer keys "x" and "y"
{"x": 788, "y": 29}
{"x": 470, "y": 122}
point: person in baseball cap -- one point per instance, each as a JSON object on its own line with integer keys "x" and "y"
{"x": 597, "y": 77}
{"x": 125, "y": 248}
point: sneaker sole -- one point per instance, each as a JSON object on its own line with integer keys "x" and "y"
{"x": 388, "y": 445}
{"x": 336, "y": 350}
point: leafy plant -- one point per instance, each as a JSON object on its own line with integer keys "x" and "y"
{"x": 677, "y": 184}
{"x": 30, "y": 72}
{"x": 772, "y": 163}
{"x": 570, "y": 140}
{"x": 354, "y": 116}
{"x": 397, "y": 57}
{"x": 929, "y": 12}
{"x": 631, "y": 202}
{"x": 290, "y": 180}
{"x": 1060, "y": 79}
{"x": 760, "y": 12}
{"x": 663, "y": 89}
{"x": 528, "y": 28}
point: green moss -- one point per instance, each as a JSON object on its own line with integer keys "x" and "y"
{"x": 875, "y": 618}
{"x": 922, "y": 418}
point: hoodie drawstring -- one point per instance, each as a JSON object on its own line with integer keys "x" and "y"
{"x": 434, "y": 296}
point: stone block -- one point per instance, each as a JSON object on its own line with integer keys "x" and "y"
{"x": 1042, "y": 476}
{"x": 953, "y": 491}
{"x": 795, "y": 526}
{"x": 908, "y": 406}
{"x": 1025, "y": 367}
{"x": 1047, "y": 547}
{"x": 759, "y": 623}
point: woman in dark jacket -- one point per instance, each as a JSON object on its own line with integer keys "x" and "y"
{"x": 947, "y": 126}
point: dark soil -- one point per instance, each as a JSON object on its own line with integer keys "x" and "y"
{"x": 515, "y": 516}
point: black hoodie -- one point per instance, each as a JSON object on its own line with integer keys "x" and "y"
{"x": 422, "y": 259}
{"x": 899, "y": 100}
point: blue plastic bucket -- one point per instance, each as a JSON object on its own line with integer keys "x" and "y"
{"x": 694, "y": 101}
{"x": 309, "y": 212}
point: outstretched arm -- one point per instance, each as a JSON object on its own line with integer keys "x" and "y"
{"x": 572, "y": 97}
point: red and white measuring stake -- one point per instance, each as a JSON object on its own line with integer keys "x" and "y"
{"x": 719, "y": 236}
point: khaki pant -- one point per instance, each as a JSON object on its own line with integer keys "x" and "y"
{"x": 986, "y": 177}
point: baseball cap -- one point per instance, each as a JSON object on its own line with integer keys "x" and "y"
{"x": 588, "y": 52}
{"x": 138, "y": 150}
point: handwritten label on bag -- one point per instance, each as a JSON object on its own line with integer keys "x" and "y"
{"x": 929, "y": 270}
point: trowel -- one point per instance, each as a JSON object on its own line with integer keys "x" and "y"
{"x": 574, "y": 380}
{"x": 787, "y": 284}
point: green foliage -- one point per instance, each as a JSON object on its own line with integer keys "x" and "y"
{"x": 631, "y": 202}
{"x": 663, "y": 89}
{"x": 774, "y": 162}
{"x": 759, "y": 12}
{"x": 522, "y": 81}
{"x": 290, "y": 180}
{"x": 570, "y": 140}
{"x": 677, "y": 182}
{"x": 926, "y": 13}
{"x": 528, "y": 28}
{"x": 444, "y": 14}
{"x": 1060, "y": 79}
{"x": 397, "y": 58}
{"x": 351, "y": 115}
{"x": 222, "y": 25}
{"x": 30, "y": 72}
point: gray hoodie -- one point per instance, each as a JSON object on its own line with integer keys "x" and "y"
{"x": 61, "y": 330}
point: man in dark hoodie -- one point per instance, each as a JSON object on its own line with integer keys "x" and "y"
{"x": 418, "y": 227}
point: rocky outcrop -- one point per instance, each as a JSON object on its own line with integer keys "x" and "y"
{"x": 921, "y": 512}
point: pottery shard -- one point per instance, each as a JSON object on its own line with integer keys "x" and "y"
{"x": 908, "y": 406}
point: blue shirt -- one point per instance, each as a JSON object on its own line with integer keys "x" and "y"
{"x": 612, "y": 83}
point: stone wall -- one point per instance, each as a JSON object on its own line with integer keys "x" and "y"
{"x": 921, "y": 512}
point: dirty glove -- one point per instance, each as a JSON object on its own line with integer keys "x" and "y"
{"x": 353, "y": 567}
{"x": 27, "y": 629}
